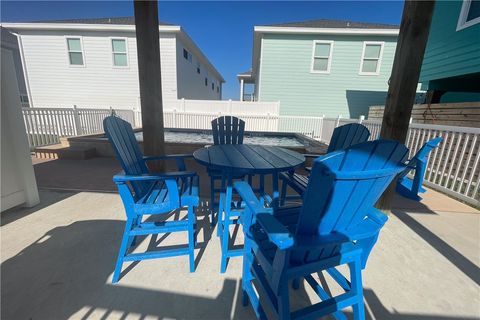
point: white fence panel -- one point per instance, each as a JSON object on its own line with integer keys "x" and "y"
{"x": 310, "y": 126}
{"x": 223, "y": 107}
{"x": 453, "y": 167}
{"x": 45, "y": 126}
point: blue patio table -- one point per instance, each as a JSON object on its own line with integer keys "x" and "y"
{"x": 235, "y": 159}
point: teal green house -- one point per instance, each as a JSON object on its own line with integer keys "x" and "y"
{"x": 451, "y": 65}
{"x": 321, "y": 67}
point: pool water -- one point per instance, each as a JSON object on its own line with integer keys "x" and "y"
{"x": 206, "y": 138}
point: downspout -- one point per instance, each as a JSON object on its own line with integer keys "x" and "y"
{"x": 24, "y": 68}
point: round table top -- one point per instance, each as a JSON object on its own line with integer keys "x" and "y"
{"x": 248, "y": 158}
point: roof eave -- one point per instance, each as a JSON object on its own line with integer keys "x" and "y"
{"x": 82, "y": 27}
{"x": 340, "y": 31}
{"x": 184, "y": 36}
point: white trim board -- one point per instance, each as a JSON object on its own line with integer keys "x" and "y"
{"x": 343, "y": 31}
{"x": 462, "y": 18}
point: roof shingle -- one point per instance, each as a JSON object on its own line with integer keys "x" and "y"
{"x": 114, "y": 20}
{"x": 325, "y": 23}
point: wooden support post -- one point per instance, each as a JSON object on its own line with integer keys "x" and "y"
{"x": 411, "y": 44}
{"x": 149, "y": 73}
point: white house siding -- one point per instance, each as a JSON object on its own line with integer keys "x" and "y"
{"x": 191, "y": 85}
{"x": 54, "y": 83}
{"x": 285, "y": 75}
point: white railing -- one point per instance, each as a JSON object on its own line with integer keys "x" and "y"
{"x": 45, "y": 126}
{"x": 223, "y": 106}
{"x": 453, "y": 167}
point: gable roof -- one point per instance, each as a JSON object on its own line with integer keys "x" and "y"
{"x": 326, "y": 23}
{"x": 113, "y": 21}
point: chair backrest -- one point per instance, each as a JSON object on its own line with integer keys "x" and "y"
{"x": 344, "y": 186}
{"x": 123, "y": 141}
{"x": 422, "y": 154}
{"x": 348, "y": 135}
{"x": 228, "y": 130}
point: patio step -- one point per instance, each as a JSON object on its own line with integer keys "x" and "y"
{"x": 59, "y": 151}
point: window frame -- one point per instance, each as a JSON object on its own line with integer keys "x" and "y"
{"x": 379, "y": 60}
{"x": 462, "y": 17}
{"x": 126, "y": 52}
{"x": 82, "y": 52}
{"x": 189, "y": 57}
{"x": 330, "y": 56}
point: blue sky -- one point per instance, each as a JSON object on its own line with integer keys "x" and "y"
{"x": 222, "y": 29}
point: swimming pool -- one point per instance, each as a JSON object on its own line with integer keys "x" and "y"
{"x": 205, "y": 138}
{"x": 189, "y": 140}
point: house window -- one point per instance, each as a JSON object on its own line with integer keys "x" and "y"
{"x": 206, "y": 82}
{"x": 213, "y": 86}
{"x": 322, "y": 56}
{"x": 75, "y": 52}
{"x": 187, "y": 55}
{"x": 119, "y": 52}
{"x": 469, "y": 14}
{"x": 198, "y": 67}
{"x": 371, "y": 58}
{"x": 218, "y": 89}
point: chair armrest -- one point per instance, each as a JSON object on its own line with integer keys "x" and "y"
{"x": 370, "y": 226}
{"x": 312, "y": 155}
{"x": 276, "y": 232}
{"x": 312, "y": 242}
{"x": 245, "y": 191}
{"x": 377, "y": 216}
{"x": 167, "y": 157}
{"x": 153, "y": 177}
{"x": 179, "y": 159}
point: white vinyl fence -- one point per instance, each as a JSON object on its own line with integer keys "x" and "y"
{"x": 453, "y": 167}
{"x": 46, "y": 126}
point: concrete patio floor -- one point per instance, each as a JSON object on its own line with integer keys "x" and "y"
{"x": 58, "y": 258}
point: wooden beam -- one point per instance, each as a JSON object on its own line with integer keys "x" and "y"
{"x": 411, "y": 44}
{"x": 149, "y": 73}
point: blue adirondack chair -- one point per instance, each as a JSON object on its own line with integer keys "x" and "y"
{"x": 145, "y": 193}
{"x": 410, "y": 188}
{"x": 342, "y": 137}
{"x": 225, "y": 130}
{"x": 336, "y": 225}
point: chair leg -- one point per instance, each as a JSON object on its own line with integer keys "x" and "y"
{"x": 123, "y": 249}
{"x": 221, "y": 207}
{"x": 136, "y": 222}
{"x": 296, "y": 283}
{"x": 191, "y": 237}
{"x": 212, "y": 200}
{"x": 283, "y": 303}
{"x": 283, "y": 194}
{"x": 225, "y": 237}
{"x": 357, "y": 287}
